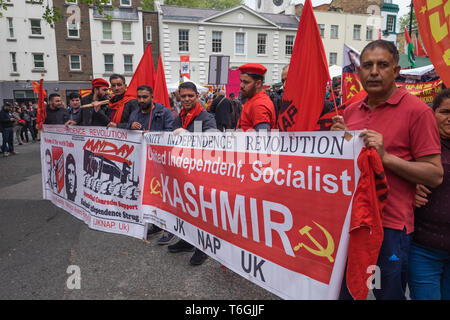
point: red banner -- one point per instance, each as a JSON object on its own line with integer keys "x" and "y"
{"x": 434, "y": 27}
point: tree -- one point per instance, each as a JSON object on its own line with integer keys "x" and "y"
{"x": 404, "y": 21}
{"x": 213, "y": 4}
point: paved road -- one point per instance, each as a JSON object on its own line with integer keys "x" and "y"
{"x": 38, "y": 242}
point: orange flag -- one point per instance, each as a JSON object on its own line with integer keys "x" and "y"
{"x": 41, "y": 112}
{"x": 144, "y": 74}
{"x": 160, "y": 93}
{"x": 37, "y": 88}
{"x": 304, "y": 95}
{"x": 434, "y": 28}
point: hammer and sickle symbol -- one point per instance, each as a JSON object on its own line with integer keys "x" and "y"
{"x": 154, "y": 187}
{"x": 322, "y": 252}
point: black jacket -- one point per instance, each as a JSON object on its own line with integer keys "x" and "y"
{"x": 128, "y": 109}
{"x": 5, "y": 119}
{"x": 222, "y": 108}
{"x": 58, "y": 116}
{"x": 88, "y": 117}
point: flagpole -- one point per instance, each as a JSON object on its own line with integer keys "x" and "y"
{"x": 411, "y": 17}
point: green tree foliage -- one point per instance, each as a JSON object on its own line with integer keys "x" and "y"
{"x": 213, "y": 4}
{"x": 404, "y": 21}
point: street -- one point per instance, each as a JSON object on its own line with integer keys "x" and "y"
{"x": 38, "y": 243}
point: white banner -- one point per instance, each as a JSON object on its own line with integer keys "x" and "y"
{"x": 93, "y": 173}
{"x": 273, "y": 207}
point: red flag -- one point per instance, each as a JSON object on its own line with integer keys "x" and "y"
{"x": 160, "y": 93}
{"x": 144, "y": 74}
{"x": 84, "y": 92}
{"x": 304, "y": 95}
{"x": 37, "y": 88}
{"x": 418, "y": 48}
{"x": 41, "y": 112}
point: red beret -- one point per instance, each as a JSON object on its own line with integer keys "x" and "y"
{"x": 254, "y": 68}
{"x": 99, "y": 82}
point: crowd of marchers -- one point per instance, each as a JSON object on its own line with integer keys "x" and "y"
{"x": 411, "y": 139}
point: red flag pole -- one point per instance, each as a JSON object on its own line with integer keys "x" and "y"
{"x": 41, "y": 113}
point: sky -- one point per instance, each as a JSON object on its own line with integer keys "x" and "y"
{"x": 403, "y": 4}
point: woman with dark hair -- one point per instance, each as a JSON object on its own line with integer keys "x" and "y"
{"x": 71, "y": 178}
{"x": 429, "y": 256}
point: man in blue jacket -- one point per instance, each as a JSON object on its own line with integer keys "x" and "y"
{"x": 151, "y": 116}
{"x": 161, "y": 116}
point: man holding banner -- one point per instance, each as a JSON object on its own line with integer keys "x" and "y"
{"x": 403, "y": 131}
{"x": 97, "y": 115}
{"x": 191, "y": 112}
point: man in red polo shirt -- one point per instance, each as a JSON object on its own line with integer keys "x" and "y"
{"x": 258, "y": 111}
{"x": 403, "y": 131}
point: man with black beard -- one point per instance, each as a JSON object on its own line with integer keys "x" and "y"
{"x": 98, "y": 114}
{"x": 150, "y": 116}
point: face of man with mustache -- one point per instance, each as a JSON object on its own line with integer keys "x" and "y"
{"x": 378, "y": 72}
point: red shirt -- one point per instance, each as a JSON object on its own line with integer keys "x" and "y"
{"x": 409, "y": 131}
{"x": 258, "y": 109}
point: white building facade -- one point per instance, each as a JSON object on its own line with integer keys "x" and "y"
{"x": 116, "y": 42}
{"x": 28, "y": 51}
{"x": 337, "y": 29}
{"x": 240, "y": 33}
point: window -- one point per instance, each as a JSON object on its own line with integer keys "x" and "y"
{"x": 322, "y": 30}
{"x": 183, "y": 40}
{"x": 333, "y": 58}
{"x": 357, "y": 32}
{"x": 72, "y": 29}
{"x": 107, "y": 31}
{"x": 261, "y": 45}
{"x": 35, "y": 26}
{"x": 369, "y": 33}
{"x": 75, "y": 62}
{"x": 128, "y": 63}
{"x": 239, "y": 44}
{"x": 148, "y": 33}
{"x": 125, "y": 3}
{"x": 109, "y": 63}
{"x": 13, "y": 61}
{"x": 334, "y": 32}
{"x": 126, "y": 31}
{"x": 11, "y": 27}
{"x": 390, "y": 23}
{"x": 38, "y": 59}
{"x": 217, "y": 41}
{"x": 289, "y": 45}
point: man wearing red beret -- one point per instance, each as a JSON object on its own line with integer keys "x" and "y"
{"x": 97, "y": 115}
{"x": 258, "y": 111}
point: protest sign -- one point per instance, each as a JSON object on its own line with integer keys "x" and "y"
{"x": 273, "y": 207}
{"x": 93, "y": 173}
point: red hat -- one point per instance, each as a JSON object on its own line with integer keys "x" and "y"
{"x": 254, "y": 68}
{"x": 99, "y": 82}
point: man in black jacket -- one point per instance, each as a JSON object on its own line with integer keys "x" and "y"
{"x": 97, "y": 115}
{"x": 222, "y": 109}
{"x": 56, "y": 113}
{"x": 7, "y": 121}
